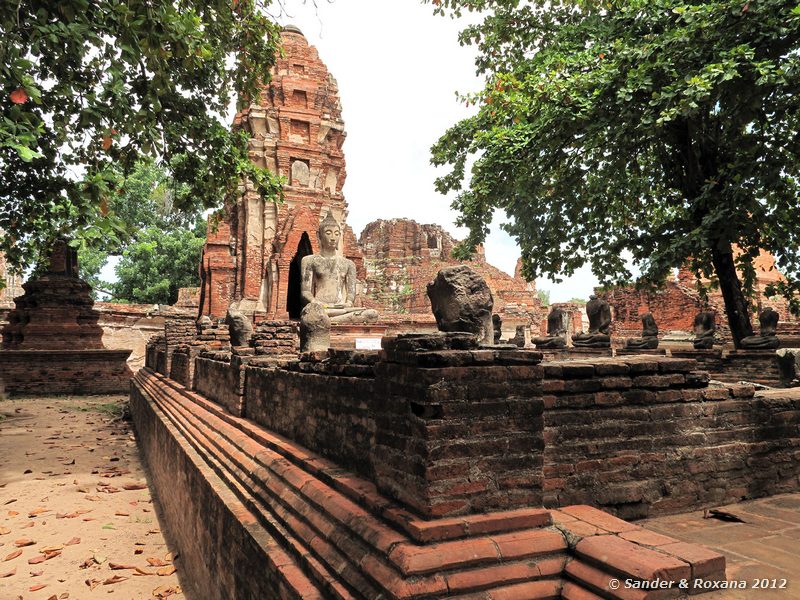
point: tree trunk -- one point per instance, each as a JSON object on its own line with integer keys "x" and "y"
{"x": 735, "y": 303}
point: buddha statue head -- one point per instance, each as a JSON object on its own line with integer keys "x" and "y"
{"x": 329, "y": 233}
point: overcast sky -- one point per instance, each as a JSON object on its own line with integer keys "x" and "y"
{"x": 398, "y": 67}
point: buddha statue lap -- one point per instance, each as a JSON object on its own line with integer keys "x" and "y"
{"x": 598, "y": 336}
{"x": 330, "y": 279}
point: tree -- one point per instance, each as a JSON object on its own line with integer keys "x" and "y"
{"x": 147, "y": 201}
{"x": 663, "y": 130}
{"x": 88, "y": 88}
{"x": 158, "y": 263}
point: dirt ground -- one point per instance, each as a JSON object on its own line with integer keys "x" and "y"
{"x": 76, "y": 517}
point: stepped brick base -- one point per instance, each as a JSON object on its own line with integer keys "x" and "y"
{"x": 255, "y": 515}
{"x": 65, "y": 371}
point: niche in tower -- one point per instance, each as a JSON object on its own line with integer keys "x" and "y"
{"x": 294, "y": 303}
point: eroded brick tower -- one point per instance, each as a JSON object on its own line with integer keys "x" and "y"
{"x": 252, "y": 258}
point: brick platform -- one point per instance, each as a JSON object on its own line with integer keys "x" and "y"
{"x": 257, "y": 516}
{"x": 65, "y": 371}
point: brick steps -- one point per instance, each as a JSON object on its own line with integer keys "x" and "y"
{"x": 343, "y": 548}
{"x": 323, "y": 532}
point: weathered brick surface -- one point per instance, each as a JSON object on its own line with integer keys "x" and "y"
{"x": 676, "y": 303}
{"x": 650, "y": 441}
{"x": 65, "y": 371}
{"x": 447, "y": 432}
{"x": 221, "y": 380}
{"x": 329, "y": 533}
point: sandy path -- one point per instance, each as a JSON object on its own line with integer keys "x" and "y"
{"x": 76, "y": 517}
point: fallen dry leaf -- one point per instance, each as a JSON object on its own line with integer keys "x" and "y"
{"x": 12, "y": 513}
{"x": 119, "y": 566}
{"x": 39, "y": 558}
{"x": 165, "y": 591}
{"x": 50, "y": 555}
{"x": 37, "y": 587}
{"x": 9, "y": 574}
{"x": 37, "y": 511}
{"x": 22, "y": 542}
{"x": 13, "y": 555}
{"x": 92, "y": 583}
{"x": 165, "y": 571}
{"x": 4, "y": 531}
{"x": 121, "y": 513}
{"x": 138, "y": 550}
{"x": 140, "y": 571}
{"x": 36, "y": 573}
{"x": 73, "y": 541}
{"x": 114, "y": 579}
{"x": 134, "y": 486}
{"x": 87, "y": 563}
{"x": 9, "y": 501}
{"x": 156, "y": 562}
{"x": 49, "y": 549}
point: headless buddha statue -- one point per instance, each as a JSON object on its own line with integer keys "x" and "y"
{"x": 704, "y": 327}
{"x": 556, "y": 331}
{"x": 599, "y": 313}
{"x": 649, "y": 339}
{"x": 768, "y": 340}
{"x": 330, "y": 279}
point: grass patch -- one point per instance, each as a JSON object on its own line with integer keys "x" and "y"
{"x": 110, "y": 409}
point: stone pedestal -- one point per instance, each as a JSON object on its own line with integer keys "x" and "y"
{"x": 707, "y": 360}
{"x": 754, "y": 366}
{"x": 589, "y": 352}
{"x": 643, "y": 351}
{"x": 344, "y": 336}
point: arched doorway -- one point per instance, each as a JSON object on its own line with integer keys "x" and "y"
{"x": 294, "y": 303}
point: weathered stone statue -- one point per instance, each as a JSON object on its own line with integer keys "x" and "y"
{"x": 330, "y": 279}
{"x": 315, "y": 328}
{"x": 239, "y": 327}
{"x": 599, "y": 313}
{"x": 497, "y": 326}
{"x": 789, "y": 366}
{"x": 649, "y": 339}
{"x": 705, "y": 326}
{"x": 767, "y": 340}
{"x": 556, "y": 331}
{"x": 461, "y": 301}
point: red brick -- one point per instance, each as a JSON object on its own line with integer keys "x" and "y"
{"x": 633, "y": 560}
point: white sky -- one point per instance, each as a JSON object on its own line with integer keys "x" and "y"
{"x": 398, "y": 68}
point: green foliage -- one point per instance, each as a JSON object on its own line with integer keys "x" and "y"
{"x": 88, "y": 88}
{"x": 544, "y": 297}
{"x": 148, "y": 201}
{"x": 157, "y": 264}
{"x": 663, "y": 130}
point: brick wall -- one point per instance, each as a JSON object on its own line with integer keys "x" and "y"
{"x": 642, "y": 437}
{"x": 447, "y": 428}
{"x": 65, "y": 371}
{"x": 221, "y": 379}
{"x": 330, "y": 411}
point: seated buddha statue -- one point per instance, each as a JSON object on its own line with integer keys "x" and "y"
{"x": 768, "y": 340}
{"x": 556, "y": 332}
{"x": 599, "y": 313}
{"x": 649, "y": 339}
{"x": 704, "y": 327}
{"x": 330, "y": 279}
